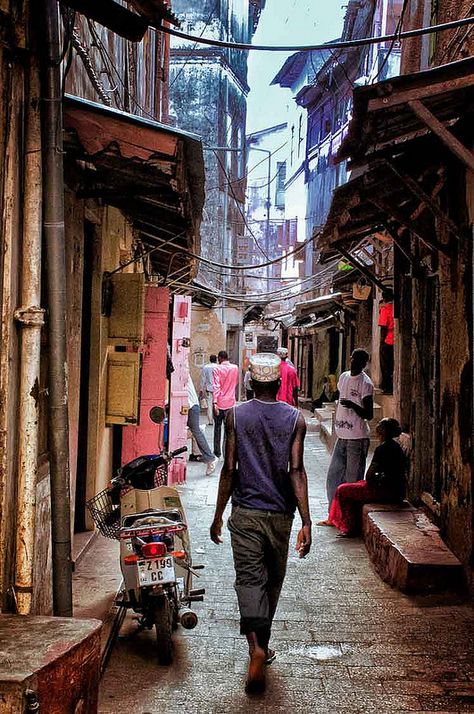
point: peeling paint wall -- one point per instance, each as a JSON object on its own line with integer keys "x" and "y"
{"x": 440, "y": 381}
{"x": 429, "y": 50}
{"x": 207, "y": 337}
{"x": 12, "y": 126}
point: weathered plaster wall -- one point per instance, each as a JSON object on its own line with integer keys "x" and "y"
{"x": 74, "y": 221}
{"x": 208, "y": 91}
{"x": 12, "y": 90}
{"x": 456, "y": 381}
{"x": 207, "y": 337}
{"x": 420, "y": 53}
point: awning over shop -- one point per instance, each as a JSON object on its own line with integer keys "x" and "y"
{"x": 319, "y": 305}
{"x": 152, "y": 172}
{"x": 391, "y": 113}
{"x": 311, "y": 324}
{"x": 403, "y": 132}
{"x": 129, "y": 23}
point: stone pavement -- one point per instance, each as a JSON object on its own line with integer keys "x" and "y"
{"x": 346, "y": 641}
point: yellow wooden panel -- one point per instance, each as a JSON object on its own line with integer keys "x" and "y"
{"x": 123, "y": 388}
{"x": 127, "y": 314}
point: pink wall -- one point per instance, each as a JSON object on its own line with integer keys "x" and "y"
{"x": 147, "y": 437}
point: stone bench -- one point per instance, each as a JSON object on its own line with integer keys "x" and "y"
{"x": 407, "y": 551}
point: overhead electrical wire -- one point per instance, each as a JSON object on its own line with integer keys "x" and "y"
{"x": 396, "y": 39}
{"x": 190, "y": 253}
{"x": 247, "y": 173}
{"x": 237, "y": 203}
{"x": 281, "y": 280}
{"x": 340, "y": 44}
{"x": 248, "y": 300}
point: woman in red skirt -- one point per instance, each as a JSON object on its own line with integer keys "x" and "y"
{"x": 384, "y": 482}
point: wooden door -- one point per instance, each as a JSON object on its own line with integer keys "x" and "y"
{"x": 147, "y": 437}
{"x": 178, "y": 401}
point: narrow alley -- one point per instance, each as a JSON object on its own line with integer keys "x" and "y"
{"x": 345, "y": 641}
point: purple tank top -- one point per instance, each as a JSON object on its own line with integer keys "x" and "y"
{"x": 264, "y": 435}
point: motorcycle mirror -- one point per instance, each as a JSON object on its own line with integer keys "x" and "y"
{"x": 157, "y": 414}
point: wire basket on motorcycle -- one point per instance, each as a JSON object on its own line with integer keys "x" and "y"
{"x": 143, "y": 473}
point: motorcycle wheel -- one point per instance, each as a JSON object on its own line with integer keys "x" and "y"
{"x": 162, "y": 617}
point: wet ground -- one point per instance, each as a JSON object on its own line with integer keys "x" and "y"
{"x": 346, "y": 642}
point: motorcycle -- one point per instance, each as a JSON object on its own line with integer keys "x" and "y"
{"x": 147, "y": 517}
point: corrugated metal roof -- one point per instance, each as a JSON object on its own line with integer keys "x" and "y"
{"x": 152, "y": 172}
{"x": 382, "y": 117}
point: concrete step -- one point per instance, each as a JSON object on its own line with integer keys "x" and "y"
{"x": 373, "y": 422}
{"x": 312, "y": 424}
{"x": 327, "y": 434}
{"x": 51, "y": 661}
{"x": 386, "y": 402}
{"x": 96, "y": 583}
{"x": 407, "y": 551}
{"x": 323, "y": 414}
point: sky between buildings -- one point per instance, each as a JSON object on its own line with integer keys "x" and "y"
{"x": 285, "y": 22}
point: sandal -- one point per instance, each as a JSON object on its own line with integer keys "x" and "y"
{"x": 271, "y": 657}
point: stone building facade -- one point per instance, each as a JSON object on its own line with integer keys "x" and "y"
{"x": 208, "y": 95}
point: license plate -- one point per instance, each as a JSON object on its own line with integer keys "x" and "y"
{"x": 156, "y": 571}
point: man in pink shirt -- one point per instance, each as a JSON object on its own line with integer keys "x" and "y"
{"x": 225, "y": 379}
{"x": 290, "y": 382}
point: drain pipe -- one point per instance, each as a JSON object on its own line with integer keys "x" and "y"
{"x": 53, "y": 230}
{"x": 30, "y": 319}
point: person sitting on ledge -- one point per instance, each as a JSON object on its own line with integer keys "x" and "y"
{"x": 384, "y": 482}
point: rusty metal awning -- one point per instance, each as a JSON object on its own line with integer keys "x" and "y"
{"x": 391, "y": 113}
{"x": 129, "y": 23}
{"x": 152, "y": 172}
{"x": 404, "y": 133}
{"x": 319, "y": 305}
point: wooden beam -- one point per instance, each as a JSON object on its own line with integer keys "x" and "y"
{"x": 360, "y": 267}
{"x": 113, "y": 16}
{"x": 407, "y": 222}
{"x": 417, "y": 93}
{"x": 453, "y": 144}
{"x": 425, "y": 199}
{"x": 397, "y": 239}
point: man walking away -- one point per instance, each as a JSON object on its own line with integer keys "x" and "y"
{"x": 354, "y": 408}
{"x": 290, "y": 382}
{"x": 206, "y": 387}
{"x": 194, "y": 412}
{"x": 225, "y": 379}
{"x": 264, "y": 473}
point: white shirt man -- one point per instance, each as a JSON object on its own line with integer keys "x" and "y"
{"x": 355, "y": 407}
{"x": 206, "y": 387}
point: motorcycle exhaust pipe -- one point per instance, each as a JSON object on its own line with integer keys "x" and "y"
{"x": 188, "y": 618}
